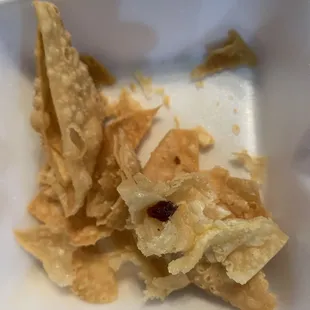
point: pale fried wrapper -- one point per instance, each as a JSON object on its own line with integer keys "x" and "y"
{"x": 94, "y": 281}
{"x": 177, "y": 152}
{"x": 52, "y": 249}
{"x": 153, "y": 271}
{"x": 252, "y": 296}
{"x": 76, "y": 102}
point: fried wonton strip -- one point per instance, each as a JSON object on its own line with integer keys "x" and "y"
{"x": 177, "y": 152}
{"x": 94, "y": 281}
{"x": 124, "y": 106}
{"x": 255, "y": 165}
{"x": 76, "y": 102}
{"x": 99, "y": 73}
{"x": 252, "y": 296}
{"x": 241, "y": 196}
{"x": 232, "y": 53}
{"x": 52, "y": 249}
{"x": 47, "y": 211}
{"x": 107, "y": 176}
{"x": 135, "y": 125}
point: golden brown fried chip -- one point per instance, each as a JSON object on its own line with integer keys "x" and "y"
{"x": 94, "y": 281}
{"x": 232, "y": 53}
{"x": 255, "y": 165}
{"x": 76, "y": 103}
{"x": 47, "y": 211}
{"x": 52, "y": 249}
{"x": 99, "y": 73}
{"x": 125, "y": 105}
{"x": 177, "y": 152}
{"x": 135, "y": 125}
{"x": 108, "y": 175}
{"x": 241, "y": 196}
{"x": 252, "y": 296}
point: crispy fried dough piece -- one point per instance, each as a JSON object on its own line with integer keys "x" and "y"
{"x": 255, "y": 165}
{"x": 99, "y": 73}
{"x": 43, "y": 116}
{"x": 241, "y": 196}
{"x": 125, "y": 105}
{"x": 48, "y": 211}
{"x": 52, "y": 249}
{"x": 76, "y": 102}
{"x": 252, "y": 296}
{"x": 177, "y": 152}
{"x": 94, "y": 281}
{"x": 135, "y": 125}
{"x": 107, "y": 176}
{"x": 232, "y": 53}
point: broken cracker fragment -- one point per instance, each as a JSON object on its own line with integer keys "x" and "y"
{"x": 204, "y": 137}
{"x": 255, "y": 165}
{"x": 99, "y": 73}
{"x": 232, "y": 53}
{"x": 177, "y": 123}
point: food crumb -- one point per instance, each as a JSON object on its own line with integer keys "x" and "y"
{"x": 205, "y": 139}
{"x": 235, "y": 111}
{"x": 133, "y": 87}
{"x": 166, "y": 101}
{"x": 236, "y": 129}
{"x": 199, "y": 84}
{"x": 176, "y": 122}
{"x": 159, "y": 91}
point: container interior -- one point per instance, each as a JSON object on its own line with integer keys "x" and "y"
{"x": 165, "y": 39}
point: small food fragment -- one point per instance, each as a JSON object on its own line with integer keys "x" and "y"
{"x": 235, "y": 110}
{"x": 232, "y": 53}
{"x": 99, "y": 73}
{"x": 166, "y": 101}
{"x": 76, "y": 103}
{"x": 159, "y": 91}
{"x": 199, "y": 84}
{"x": 204, "y": 137}
{"x": 236, "y": 129}
{"x": 162, "y": 210}
{"x": 255, "y": 165}
{"x": 177, "y": 122}
{"x": 52, "y": 249}
{"x": 145, "y": 83}
{"x": 133, "y": 87}
{"x": 94, "y": 281}
{"x": 252, "y": 296}
{"x": 177, "y": 152}
{"x": 124, "y": 106}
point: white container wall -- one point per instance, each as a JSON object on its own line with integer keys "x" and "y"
{"x": 165, "y": 39}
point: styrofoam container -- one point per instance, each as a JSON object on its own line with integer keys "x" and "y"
{"x": 165, "y": 39}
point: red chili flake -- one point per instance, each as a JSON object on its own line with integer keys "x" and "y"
{"x": 162, "y": 210}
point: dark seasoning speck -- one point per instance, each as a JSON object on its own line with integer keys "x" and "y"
{"x": 162, "y": 210}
